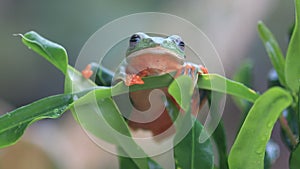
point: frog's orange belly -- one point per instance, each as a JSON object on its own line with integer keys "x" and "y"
{"x": 162, "y": 123}
{"x": 158, "y": 126}
{"x": 162, "y": 63}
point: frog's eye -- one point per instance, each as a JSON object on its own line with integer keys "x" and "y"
{"x": 134, "y": 39}
{"x": 178, "y": 41}
{"x": 181, "y": 45}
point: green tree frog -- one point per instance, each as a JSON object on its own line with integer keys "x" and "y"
{"x": 150, "y": 56}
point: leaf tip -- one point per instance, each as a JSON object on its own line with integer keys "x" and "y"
{"x": 17, "y": 34}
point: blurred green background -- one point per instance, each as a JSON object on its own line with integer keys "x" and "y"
{"x": 26, "y": 77}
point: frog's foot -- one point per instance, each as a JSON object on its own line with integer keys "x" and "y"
{"x": 203, "y": 69}
{"x": 87, "y": 72}
{"x": 132, "y": 79}
{"x": 191, "y": 70}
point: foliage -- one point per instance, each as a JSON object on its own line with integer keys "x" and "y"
{"x": 249, "y": 148}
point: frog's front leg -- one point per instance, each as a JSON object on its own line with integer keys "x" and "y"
{"x": 132, "y": 79}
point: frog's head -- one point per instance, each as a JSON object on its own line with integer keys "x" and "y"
{"x": 154, "y": 55}
{"x": 141, "y": 43}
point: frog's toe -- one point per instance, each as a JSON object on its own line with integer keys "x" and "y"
{"x": 87, "y": 72}
{"x": 187, "y": 69}
{"x": 132, "y": 79}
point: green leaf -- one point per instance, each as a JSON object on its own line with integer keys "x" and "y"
{"x": 51, "y": 51}
{"x": 295, "y": 158}
{"x": 252, "y": 139}
{"x": 116, "y": 121}
{"x": 219, "y": 135}
{"x": 99, "y": 115}
{"x": 75, "y": 82}
{"x": 182, "y": 90}
{"x": 126, "y": 162}
{"x": 13, "y": 124}
{"x": 292, "y": 68}
{"x": 214, "y": 82}
{"x": 189, "y": 152}
{"x": 204, "y": 82}
{"x": 273, "y": 50}
{"x": 220, "y": 140}
{"x": 153, "y": 82}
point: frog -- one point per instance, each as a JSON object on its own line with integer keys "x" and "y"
{"x": 153, "y": 56}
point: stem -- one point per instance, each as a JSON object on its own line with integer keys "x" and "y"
{"x": 288, "y": 131}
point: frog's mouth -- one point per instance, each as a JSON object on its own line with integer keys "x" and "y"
{"x": 153, "y": 61}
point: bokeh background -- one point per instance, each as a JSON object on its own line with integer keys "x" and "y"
{"x": 26, "y": 77}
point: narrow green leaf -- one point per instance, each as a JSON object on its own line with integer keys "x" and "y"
{"x": 51, "y": 51}
{"x": 99, "y": 115}
{"x": 232, "y": 87}
{"x": 126, "y": 163}
{"x": 13, "y": 124}
{"x": 273, "y": 50}
{"x": 75, "y": 82}
{"x": 204, "y": 82}
{"x": 182, "y": 90}
{"x": 220, "y": 140}
{"x": 116, "y": 126}
{"x": 295, "y": 158}
{"x": 292, "y": 68}
{"x": 219, "y": 135}
{"x": 189, "y": 152}
{"x": 252, "y": 139}
{"x": 116, "y": 121}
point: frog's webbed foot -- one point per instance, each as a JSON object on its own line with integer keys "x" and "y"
{"x": 191, "y": 70}
{"x": 203, "y": 70}
{"x": 132, "y": 79}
